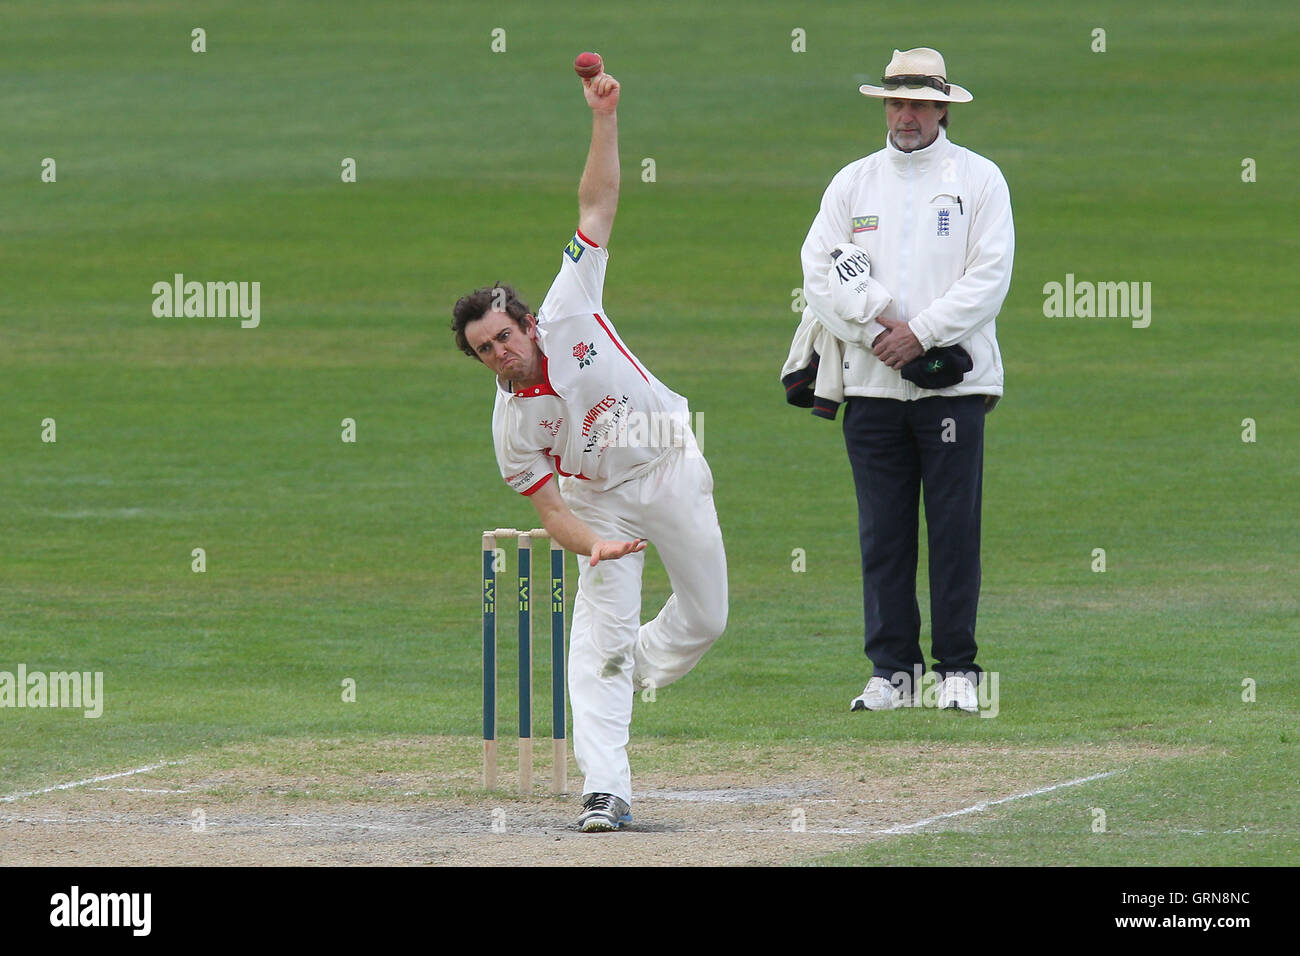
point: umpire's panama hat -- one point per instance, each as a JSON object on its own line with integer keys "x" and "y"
{"x": 917, "y": 75}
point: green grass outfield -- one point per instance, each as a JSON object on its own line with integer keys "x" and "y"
{"x": 329, "y": 560}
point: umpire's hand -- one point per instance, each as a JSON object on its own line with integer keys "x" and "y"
{"x": 896, "y": 346}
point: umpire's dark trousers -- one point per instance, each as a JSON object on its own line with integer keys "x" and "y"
{"x": 896, "y": 449}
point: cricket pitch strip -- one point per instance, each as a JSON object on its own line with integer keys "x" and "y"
{"x": 418, "y": 801}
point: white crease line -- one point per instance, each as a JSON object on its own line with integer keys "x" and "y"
{"x": 825, "y": 831}
{"x": 138, "y": 790}
{"x": 79, "y": 783}
{"x": 231, "y": 825}
{"x": 223, "y": 826}
{"x": 908, "y": 827}
{"x": 742, "y": 795}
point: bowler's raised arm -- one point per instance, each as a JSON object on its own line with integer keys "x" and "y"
{"x": 598, "y": 191}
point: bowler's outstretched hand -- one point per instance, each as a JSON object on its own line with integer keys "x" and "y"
{"x": 609, "y": 550}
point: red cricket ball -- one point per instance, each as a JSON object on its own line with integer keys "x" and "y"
{"x": 588, "y": 65}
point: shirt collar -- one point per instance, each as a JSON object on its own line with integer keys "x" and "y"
{"x": 533, "y": 391}
{"x": 918, "y": 159}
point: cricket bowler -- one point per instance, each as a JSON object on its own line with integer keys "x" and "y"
{"x": 579, "y": 428}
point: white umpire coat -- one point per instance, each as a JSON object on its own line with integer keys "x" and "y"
{"x": 936, "y": 224}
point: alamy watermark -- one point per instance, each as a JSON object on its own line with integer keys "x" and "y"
{"x": 83, "y": 690}
{"x": 77, "y": 908}
{"x": 611, "y": 423}
{"x": 919, "y": 689}
{"x": 1099, "y": 300}
{"x": 661, "y": 430}
{"x": 210, "y": 300}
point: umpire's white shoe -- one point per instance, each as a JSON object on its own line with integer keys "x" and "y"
{"x": 879, "y": 694}
{"x": 958, "y": 693}
{"x": 602, "y": 812}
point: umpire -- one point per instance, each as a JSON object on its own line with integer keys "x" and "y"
{"x": 934, "y": 220}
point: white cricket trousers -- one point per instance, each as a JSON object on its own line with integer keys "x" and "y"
{"x": 670, "y": 506}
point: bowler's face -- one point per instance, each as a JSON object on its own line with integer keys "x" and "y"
{"x": 505, "y": 348}
{"x": 913, "y": 124}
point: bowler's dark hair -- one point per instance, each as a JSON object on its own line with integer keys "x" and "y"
{"x": 472, "y": 307}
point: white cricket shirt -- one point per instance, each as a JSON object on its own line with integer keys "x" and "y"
{"x": 600, "y": 415}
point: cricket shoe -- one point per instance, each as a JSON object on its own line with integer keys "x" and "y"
{"x": 958, "y": 693}
{"x": 602, "y": 812}
{"x": 879, "y": 694}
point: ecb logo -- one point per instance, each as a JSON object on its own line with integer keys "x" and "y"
{"x": 944, "y": 216}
